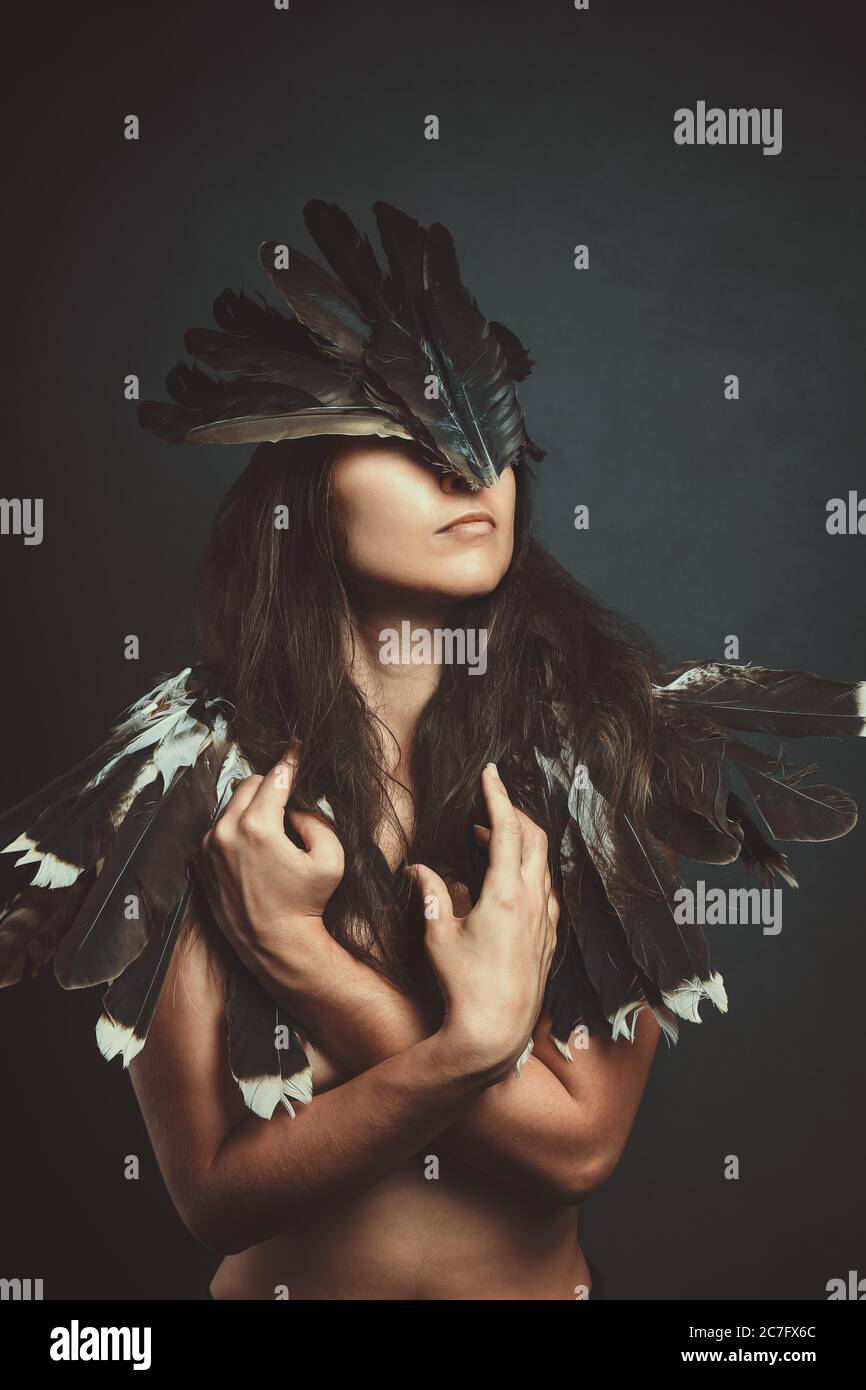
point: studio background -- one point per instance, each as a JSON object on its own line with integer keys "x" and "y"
{"x": 707, "y": 517}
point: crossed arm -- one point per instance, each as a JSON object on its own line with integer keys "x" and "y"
{"x": 556, "y": 1132}
{"x": 236, "y": 1180}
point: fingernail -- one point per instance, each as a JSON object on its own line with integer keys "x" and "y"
{"x": 491, "y": 767}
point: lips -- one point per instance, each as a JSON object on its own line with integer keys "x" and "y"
{"x": 467, "y": 519}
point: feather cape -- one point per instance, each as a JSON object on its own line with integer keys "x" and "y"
{"x": 97, "y": 866}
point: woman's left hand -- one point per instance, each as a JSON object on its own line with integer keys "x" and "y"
{"x": 267, "y": 895}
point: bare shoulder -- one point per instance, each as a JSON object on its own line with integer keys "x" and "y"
{"x": 193, "y": 992}
{"x": 182, "y": 1078}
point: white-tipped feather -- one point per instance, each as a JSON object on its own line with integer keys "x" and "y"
{"x": 685, "y": 998}
{"x": 159, "y": 728}
{"x": 113, "y": 1039}
{"x": 235, "y": 767}
{"x": 263, "y": 1094}
{"x": 696, "y": 676}
{"x": 21, "y": 842}
{"x": 619, "y": 1027}
{"x": 300, "y": 1086}
{"x": 52, "y": 872}
{"x": 171, "y": 755}
{"x": 667, "y": 1025}
{"x": 170, "y": 688}
{"x": 582, "y": 805}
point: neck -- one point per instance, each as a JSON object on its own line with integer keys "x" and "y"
{"x": 396, "y": 693}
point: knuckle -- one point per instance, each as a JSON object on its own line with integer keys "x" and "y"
{"x": 505, "y": 899}
{"x": 253, "y": 828}
{"x": 254, "y": 780}
{"x": 221, "y": 835}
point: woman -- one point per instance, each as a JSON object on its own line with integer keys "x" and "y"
{"x": 260, "y": 812}
{"x": 342, "y": 1202}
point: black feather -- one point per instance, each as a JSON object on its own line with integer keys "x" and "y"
{"x": 351, "y": 257}
{"x": 266, "y": 1056}
{"x": 326, "y": 307}
{"x": 148, "y": 862}
{"x": 757, "y": 853}
{"x": 790, "y": 704}
{"x": 129, "y": 1005}
{"x": 517, "y": 359}
{"x": 365, "y": 345}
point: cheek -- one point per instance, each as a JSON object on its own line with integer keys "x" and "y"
{"x": 504, "y": 497}
{"x": 386, "y": 527}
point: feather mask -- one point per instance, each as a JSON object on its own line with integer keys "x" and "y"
{"x": 361, "y": 352}
{"x": 97, "y": 866}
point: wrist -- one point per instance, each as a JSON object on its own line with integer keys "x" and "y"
{"x": 293, "y": 950}
{"x": 464, "y": 1052}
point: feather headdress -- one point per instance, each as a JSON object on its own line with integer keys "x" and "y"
{"x": 98, "y": 864}
{"x": 403, "y": 353}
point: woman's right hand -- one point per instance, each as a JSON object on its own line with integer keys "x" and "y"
{"x": 492, "y": 965}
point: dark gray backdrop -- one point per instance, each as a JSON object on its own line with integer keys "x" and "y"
{"x": 707, "y": 517}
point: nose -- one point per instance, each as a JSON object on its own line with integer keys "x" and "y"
{"x": 454, "y": 483}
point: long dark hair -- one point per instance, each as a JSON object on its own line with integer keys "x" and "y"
{"x": 273, "y": 608}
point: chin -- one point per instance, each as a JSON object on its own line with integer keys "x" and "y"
{"x": 464, "y": 586}
{"x": 440, "y": 581}
{"x": 474, "y": 573}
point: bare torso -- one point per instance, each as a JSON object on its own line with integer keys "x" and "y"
{"x": 418, "y": 1234}
{"x": 429, "y": 1230}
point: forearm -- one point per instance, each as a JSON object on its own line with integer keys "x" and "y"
{"x": 265, "y": 1172}
{"x": 525, "y": 1129}
{"x": 354, "y": 1013}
